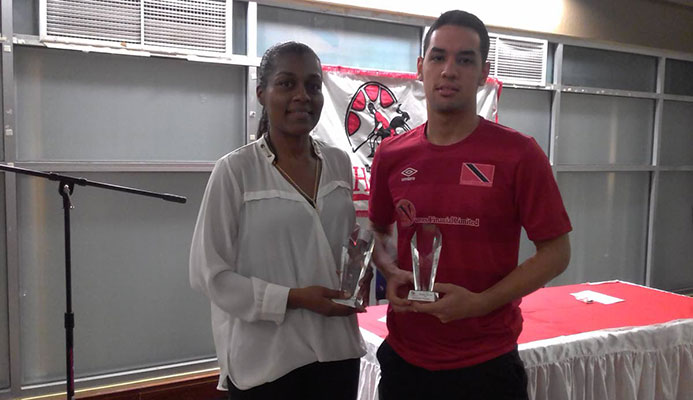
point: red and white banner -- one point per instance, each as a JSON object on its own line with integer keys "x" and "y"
{"x": 364, "y": 107}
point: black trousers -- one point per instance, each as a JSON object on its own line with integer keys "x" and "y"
{"x": 502, "y": 378}
{"x": 338, "y": 380}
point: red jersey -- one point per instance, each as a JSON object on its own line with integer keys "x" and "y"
{"x": 480, "y": 192}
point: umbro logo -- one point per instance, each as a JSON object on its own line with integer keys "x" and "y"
{"x": 409, "y": 174}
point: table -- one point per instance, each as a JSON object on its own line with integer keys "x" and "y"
{"x": 640, "y": 348}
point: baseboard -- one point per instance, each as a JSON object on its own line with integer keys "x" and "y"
{"x": 196, "y": 386}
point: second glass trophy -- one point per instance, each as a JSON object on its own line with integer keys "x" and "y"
{"x": 425, "y": 253}
{"x": 356, "y": 258}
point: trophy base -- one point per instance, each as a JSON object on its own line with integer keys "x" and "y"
{"x": 423, "y": 296}
{"x": 353, "y": 303}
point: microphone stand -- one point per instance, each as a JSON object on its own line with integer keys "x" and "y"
{"x": 66, "y": 186}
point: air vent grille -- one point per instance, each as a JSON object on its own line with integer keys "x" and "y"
{"x": 199, "y": 26}
{"x": 516, "y": 60}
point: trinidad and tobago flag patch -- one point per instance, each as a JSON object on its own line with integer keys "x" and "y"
{"x": 476, "y": 174}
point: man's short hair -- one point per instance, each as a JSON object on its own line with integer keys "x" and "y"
{"x": 465, "y": 20}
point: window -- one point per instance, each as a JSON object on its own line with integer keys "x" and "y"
{"x": 97, "y": 107}
{"x": 608, "y": 69}
{"x": 341, "y": 40}
{"x": 129, "y": 270}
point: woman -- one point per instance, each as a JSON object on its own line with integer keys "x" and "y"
{"x": 273, "y": 219}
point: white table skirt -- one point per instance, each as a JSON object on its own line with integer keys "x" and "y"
{"x": 652, "y": 362}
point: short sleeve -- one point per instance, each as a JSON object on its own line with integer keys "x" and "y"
{"x": 537, "y": 197}
{"x": 380, "y": 207}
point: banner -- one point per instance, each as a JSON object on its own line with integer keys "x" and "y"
{"x": 364, "y": 107}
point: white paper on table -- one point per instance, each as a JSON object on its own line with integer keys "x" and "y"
{"x": 589, "y": 296}
{"x": 383, "y": 319}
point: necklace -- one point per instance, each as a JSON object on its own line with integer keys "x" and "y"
{"x": 311, "y": 199}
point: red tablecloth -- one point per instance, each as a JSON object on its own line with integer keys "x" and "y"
{"x": 552, "y": 312}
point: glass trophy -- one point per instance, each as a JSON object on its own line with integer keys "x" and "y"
{"x": 356, "y": 258}
{"x": 425, "y": 254}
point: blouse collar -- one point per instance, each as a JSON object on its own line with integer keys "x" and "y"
{"x": 266, "y": 149}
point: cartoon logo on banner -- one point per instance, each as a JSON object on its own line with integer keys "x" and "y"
{"x": 372, "y": 115}
{"x": 364, "y": 107}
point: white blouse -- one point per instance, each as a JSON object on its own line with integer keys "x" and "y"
{"x": 255, "y": 238}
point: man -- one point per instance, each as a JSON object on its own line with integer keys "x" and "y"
{"x": 480, "y": 182}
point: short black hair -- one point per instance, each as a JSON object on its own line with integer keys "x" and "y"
{"x": 465, "y": 20}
